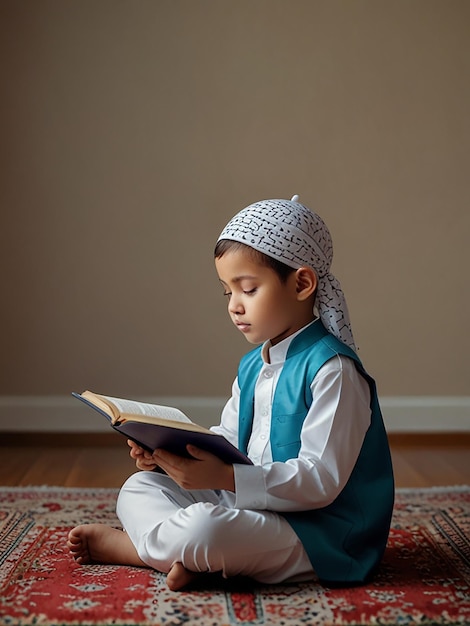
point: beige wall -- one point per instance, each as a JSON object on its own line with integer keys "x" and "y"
{"x": 132, "y": 131}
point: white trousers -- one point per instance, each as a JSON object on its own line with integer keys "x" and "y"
{"x": 202, "y": 530}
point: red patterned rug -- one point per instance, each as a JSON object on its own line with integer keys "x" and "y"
{"x": 424, "y": 579}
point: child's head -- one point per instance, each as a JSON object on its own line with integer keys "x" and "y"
{"x": 285, "y": 236}
{"x": 267, "y": 300}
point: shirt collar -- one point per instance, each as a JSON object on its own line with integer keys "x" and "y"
{"x": 277, "y": 354}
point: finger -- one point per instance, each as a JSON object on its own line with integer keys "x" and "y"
{"x": 197, "y": 453}
{"x": 142, "y": 465}
{"x": 135, "y": 447}
{"x": 164, "y": 456}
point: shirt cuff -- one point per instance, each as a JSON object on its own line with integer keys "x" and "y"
{"x": 250, "y": 488}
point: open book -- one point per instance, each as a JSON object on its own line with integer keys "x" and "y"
{"x": 152, "y": 426}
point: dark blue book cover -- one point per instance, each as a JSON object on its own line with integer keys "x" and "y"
{"x": 172, "y": 438}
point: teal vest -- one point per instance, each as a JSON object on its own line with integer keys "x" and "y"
{"x": 345, "y": 540}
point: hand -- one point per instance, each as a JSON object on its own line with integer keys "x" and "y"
{"x": 143, "y": 459}
{"x": 203, "y": 471}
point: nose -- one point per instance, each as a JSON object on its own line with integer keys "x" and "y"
{"x": 235, "y": 305}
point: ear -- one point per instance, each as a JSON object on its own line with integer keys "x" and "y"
{"x": 305, "y": 282}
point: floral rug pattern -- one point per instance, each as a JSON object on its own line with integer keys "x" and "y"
{"x": 424, "y": 578}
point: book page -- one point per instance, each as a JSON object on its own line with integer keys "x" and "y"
{"x": 132, "y": 407}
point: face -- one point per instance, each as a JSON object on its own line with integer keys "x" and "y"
{"x": 260, "y": 305}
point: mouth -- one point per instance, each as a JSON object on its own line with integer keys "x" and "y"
{"x": 243, "y": 327}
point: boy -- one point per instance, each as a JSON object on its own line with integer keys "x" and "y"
{"x": 318, "y": 499}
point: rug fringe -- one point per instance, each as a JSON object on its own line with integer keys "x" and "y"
{"x": 437, "y": 489}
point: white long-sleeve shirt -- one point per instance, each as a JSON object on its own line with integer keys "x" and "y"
{"x": 331, "y": 437}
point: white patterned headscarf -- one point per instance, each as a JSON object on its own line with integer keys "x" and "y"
{"x": 293, "y": 234}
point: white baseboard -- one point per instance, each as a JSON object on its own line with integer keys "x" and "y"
{"x": 430, "y": 414}
{"x": 67, "y": 415}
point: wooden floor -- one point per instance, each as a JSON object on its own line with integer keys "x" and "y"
{"x": 419, "y": 460}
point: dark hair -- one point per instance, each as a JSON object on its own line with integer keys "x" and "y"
{"x": 281, "y": 269}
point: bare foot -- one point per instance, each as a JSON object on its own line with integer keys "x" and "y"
{"x": 179, "y": 577}
{"x": 98, "y": 543}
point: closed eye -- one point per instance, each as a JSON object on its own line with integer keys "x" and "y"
{"x": 246, "y": 292}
